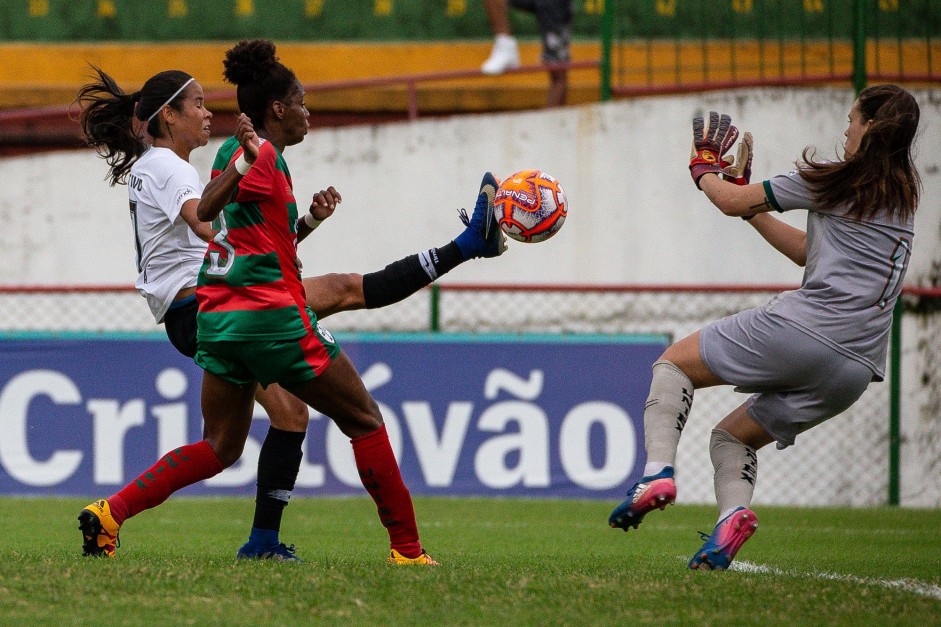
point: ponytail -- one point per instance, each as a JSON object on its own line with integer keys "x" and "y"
{"x": 112, "y": 120}
{"x": 107, "y": 121}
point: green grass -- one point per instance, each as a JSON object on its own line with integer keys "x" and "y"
{"x": 504, "y": 562}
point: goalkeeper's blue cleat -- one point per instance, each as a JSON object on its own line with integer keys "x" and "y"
{"x": 650, "y": 493}
{"x": 483, "y": 237}
{"x": 277, "y": 552}
{"x": 726, "y": 539}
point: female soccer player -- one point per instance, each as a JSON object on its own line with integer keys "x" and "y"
{"x": 165, "y": 191}
{"x": 809, "y": 354}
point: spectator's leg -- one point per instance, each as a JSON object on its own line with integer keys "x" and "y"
{"x": 555, "y": 26}
{"x": 505, "y": 53}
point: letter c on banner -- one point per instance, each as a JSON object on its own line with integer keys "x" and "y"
{"x": 14, "y": 411}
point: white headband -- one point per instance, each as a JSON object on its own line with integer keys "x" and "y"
{"x": 170, "y": 99}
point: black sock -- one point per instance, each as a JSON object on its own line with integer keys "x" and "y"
{"x": 278, "y": 464}
{"x": 449, "y": 257}
{"x": 400, "y": 279}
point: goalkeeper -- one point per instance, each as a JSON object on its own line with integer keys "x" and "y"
{"x": 810, "y": 353}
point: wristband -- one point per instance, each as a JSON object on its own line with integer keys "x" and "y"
{"x": 747, "y": 218}
{"x": 241, "y": 165}
{"x": 311, "y": 221}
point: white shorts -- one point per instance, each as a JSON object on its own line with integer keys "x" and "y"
{"x": 798, "y": 381}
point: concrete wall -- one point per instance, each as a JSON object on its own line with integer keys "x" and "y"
{"x": 635, "y": 216}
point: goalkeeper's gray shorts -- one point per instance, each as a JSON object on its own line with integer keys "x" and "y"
{"x": 797, "y": 381}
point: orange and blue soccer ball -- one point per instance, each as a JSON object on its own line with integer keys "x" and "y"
{"x": 530, "y": 206}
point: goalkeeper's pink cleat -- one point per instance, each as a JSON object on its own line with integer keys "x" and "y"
{"x": 650, "y": 493}
{"x": 726, "y": 540}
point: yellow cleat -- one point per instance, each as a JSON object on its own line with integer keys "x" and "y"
{"x": 422, "y": 560}
{"x": 99, "y": 530}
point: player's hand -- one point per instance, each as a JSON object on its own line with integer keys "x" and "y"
{"x": 711, "y": 140}
{"x": 738, "y": 169}
{"x": 325, "y": 203}
{"x": 248, "y": 139}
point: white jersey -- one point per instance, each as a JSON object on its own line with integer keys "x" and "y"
{"x": 853, "y": 275}
{"x": 169, "y": 253}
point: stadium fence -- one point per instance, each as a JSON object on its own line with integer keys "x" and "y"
{"x": 669, "y": 46}
{"x": 859, "y": 448}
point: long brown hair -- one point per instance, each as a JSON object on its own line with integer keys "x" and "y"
{"x": 881, "y": 174}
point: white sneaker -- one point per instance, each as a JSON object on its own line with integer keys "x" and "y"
{"x": 504, "y": 56}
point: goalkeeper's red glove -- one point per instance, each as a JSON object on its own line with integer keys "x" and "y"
{"x": 710, "y": 143}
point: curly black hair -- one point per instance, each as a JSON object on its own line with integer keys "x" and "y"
{"x": 253, "y": 67}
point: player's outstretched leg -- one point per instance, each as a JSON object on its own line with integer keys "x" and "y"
{"x": 727, "y": 538}
{"x": 483, "y": 237}
{"x": 99, "y": 530}
{"x": 650, "y": 493}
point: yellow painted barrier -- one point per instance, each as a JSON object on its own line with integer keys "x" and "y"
{"x": 48, "y": 74}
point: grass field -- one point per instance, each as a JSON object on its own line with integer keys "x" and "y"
{"x": 504, "y": 562}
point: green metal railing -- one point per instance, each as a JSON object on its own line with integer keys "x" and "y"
{"x": 895, "y": 406}
{"x": 657, "y": 46}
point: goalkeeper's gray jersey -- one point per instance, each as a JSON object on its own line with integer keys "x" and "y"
{"x": 852, "y": 279}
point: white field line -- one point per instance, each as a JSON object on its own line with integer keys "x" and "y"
{"x": 912, "y": 586}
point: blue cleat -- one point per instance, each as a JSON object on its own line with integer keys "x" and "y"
{"x": 279, "y": 553}
{"x": 727, "y": 538}
{"x": 483, "y": 237}
{"x": 650, "y": 493}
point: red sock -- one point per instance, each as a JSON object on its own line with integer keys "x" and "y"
{"x": 380, "y": 475}
{"x": 177, "y": 469}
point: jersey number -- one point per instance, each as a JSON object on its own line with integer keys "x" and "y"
{"x": 138, "y": 249}
{"x": 897, "y": 264}
{"x": 219, "y": 265}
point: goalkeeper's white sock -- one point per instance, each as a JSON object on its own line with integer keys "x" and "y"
{"x": 665, "y": 413}
{"x": 736, "y": 470}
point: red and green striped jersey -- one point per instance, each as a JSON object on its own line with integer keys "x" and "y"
{"x": 249, "y": 285}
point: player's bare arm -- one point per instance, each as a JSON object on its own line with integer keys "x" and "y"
{"x": 735, "y": 200}
{"x": 218, "y": 192}
{"x": 751, "y": 201}
{"x": 786, "y": 239}
{"x": 322, "y": 206}
{"x": 203, "y": 230}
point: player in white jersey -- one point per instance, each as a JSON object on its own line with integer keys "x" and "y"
{"x": 809, "y": 354}
{"x": 164, "y": 191}
{"x": 169, "y": 251}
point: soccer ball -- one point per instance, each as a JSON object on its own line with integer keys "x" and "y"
{"x": 530, "y": 206}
